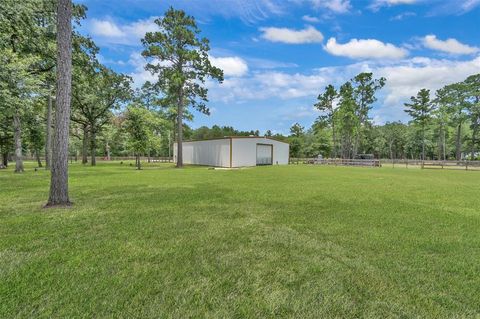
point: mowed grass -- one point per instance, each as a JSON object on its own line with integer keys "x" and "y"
{"x": 285, "y": 241}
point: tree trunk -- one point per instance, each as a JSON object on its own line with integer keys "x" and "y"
{"x": 391, "y": 154}
{"x": 37, "y": 156}
{"x": 458, "y": 143}
{"x": 85, "y": 145}
{"x": 444, "y": 145}
{"x": 17, "y": 130}
{"x": 474, "y": 142}
{"x": 93, "y": 147}
{"x": 48, "y": 139}
{"x": 334, "y": 136}
{"x": 423, "y": 146}
{"x": 137, "y": 160}
{"x": 180, "y": 131}
{"x": 5, "y": 159}
{"x": 107, "y": 148}
{"x": 59, "y": 176}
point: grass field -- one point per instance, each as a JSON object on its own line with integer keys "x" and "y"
{"x": 292, "y": 241}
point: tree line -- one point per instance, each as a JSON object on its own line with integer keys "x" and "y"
{"x": 58, "y": 100}
{"x": 444, "y": 124}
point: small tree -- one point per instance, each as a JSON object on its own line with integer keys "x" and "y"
{"x": 180, "y": 59}
{"x": 297, "y": 130}
{"x": 140, "y": 124}
{"x": 325, "y": 104}
{"x": 420, "y": 109}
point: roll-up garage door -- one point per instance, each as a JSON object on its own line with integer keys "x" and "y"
{"x": 264, "y": 154}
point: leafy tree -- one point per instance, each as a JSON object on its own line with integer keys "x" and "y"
{"x": 441, "y": 118}
{"x": 420, "y": 109}
{"x": 364, "y": 91}
{"x": 326, "y": 104}
{"x": 96, "y": 92}
{"x": 346, "y": 116}
{"x": 140, "y": 124}
{"x": 297, "y": 130}
{"x": 394, "y": 134}
{"x": 6, "y": 137}
{"x": 454, "y": 97}
{"x": 34, "y": 130}
{"x": 180, "y": 60}
{"x": 472, "y": 86}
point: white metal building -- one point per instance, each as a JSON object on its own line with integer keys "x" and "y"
{"x": 235, "y": 151}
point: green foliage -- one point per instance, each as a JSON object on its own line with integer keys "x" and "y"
{"x": 141, "y": 125}
{"x": 180, "y": 59}
{"x": 297, "y": 130}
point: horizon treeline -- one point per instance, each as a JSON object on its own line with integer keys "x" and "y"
{"x": 111, "y": 118}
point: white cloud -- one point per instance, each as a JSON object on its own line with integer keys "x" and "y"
{"x": 377, "y": 4}
{"x": 109, "y": 32}
{"x": 404, "y": 79}
{"x": 106, "y": 29}
{"x": 457, "y": 7}
{"x": 365, "y": 49}
{"x": 140, "y": 75}
{"x": 291, "y": 36}
{"x": 266, "y": 85}
{"x": 310, "y": 19}
{"x": 231, "y": 66}
{"x": 402, "y": 16}
{"x": 337, "y": 6}
{"x": 451, "y": 46}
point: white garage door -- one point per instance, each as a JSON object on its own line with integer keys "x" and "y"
{"x": 264, "y": 154}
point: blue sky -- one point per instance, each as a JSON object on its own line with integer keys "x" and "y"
{"x": 278, "y": 55}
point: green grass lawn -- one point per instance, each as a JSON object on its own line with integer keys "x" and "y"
{"x": 286, "y": 241}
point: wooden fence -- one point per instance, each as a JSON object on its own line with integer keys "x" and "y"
{"x": 432, "y": 164}
{"x": 427, "y": 164}
{"x": 338, "y": 162}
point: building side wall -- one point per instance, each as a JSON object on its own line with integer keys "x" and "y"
{"x": 209, "y": 152}
{"x": 244, "y": 151}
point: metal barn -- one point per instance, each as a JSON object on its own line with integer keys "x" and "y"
{"x": 235, "y": 151}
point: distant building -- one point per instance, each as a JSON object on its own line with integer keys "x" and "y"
{"x": 235, "y": 151}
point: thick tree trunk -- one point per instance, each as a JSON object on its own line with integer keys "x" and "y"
{"x": 17, "y": 135}
{"x": 85, "y": 145}
{"x": 93, "y": 148}
{"x": 48, "y": 139}
{"x": 458, "y": 143}
{"x": 5, "y": 159}
{"x": 59, "y": 169}
{"x": 37, "y": 156}
{"x": 180, "y": 131}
